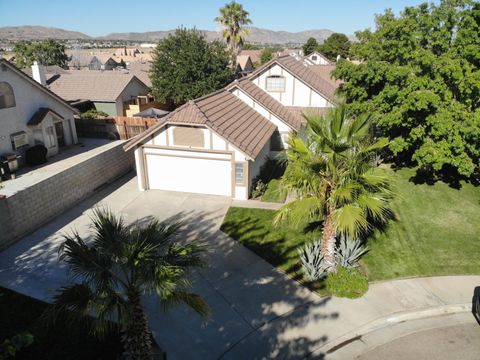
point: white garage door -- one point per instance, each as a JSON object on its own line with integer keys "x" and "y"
{"x": 196, "y": 175}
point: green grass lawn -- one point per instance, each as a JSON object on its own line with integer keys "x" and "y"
{"x": 436, "y": 232}
{"x": 63, "y": 340}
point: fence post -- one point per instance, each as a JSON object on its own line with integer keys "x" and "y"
{"x": 125, "y": 128}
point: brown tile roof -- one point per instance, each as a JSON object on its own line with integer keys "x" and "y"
{"x": 243, "y": 61}
{"x": 94, "y": 85}
{"x": 225, "y": 114}
{"x": 297, "y": 66}
{"x": 305, "y": 111}
{"x": 40, "y": 114}
{"x": 254, "y": 55}
{"x": 292, "y": 119}
{"x": 141, "y": 70}
{"x": 325, "y": 72}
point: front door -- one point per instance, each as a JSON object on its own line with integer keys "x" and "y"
{"x": 60, "y": 134}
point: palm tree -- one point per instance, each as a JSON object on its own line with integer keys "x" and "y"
{"x": 232, "y": 18}
{"x": 120, "y": 264}
{"x": 331, "y": 168}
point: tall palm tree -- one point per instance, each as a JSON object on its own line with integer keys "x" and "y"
{"x": 331, "y": 167}
{"x": 118, "y": 266}
{"x": 233, "y": 18}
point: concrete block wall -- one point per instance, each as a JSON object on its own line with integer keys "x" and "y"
{"x": 28, "y": 209}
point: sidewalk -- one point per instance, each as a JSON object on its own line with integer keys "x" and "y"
{"x": 256, "y": 204}
{"x": 324, "y": 326}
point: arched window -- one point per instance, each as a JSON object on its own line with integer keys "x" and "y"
{"x": 7, "y": 98}
{"x": 275, "y": 83}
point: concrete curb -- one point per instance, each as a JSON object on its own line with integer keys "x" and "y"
{"x": 390, "y": 320}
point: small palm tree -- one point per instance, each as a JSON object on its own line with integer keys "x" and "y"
{"x": 233, "y": 18}
{"x": 118, "y": 266}
{"x": 331, "y": 167}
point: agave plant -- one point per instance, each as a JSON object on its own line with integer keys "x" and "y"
{"x": 313, "y": 263}
{"x": 349, "y": 252}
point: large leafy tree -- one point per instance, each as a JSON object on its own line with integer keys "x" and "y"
{"x": 420, "y": 77}
{"x": 331, "y": 168}
{"x": 336, "y": 44}
{"x": 186, "y": 66}
{"x": 117, "y": 266}
{"x": 233, "y": 18}
{"x": 46, "y": 52}
{"x": 310, "y": 46}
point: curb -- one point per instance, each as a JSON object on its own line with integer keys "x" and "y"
{"x": 390, "y": 320}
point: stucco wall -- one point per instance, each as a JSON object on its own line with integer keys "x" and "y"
{"x": 28, "y": 209}
{"x": 28, "y": 98}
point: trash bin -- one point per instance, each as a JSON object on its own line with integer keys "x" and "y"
{"x": 476, "y": 304}
{"x": 10, "y": 164}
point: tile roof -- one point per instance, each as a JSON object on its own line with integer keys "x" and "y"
{"x": 292, "y": 119}
{"x": 40, "y": 114}
{"x": 254, "y": 55}
{"x": 141, "y": 70}
{"x": 94, "y": 85}
{"x": 243, "y": 61}
{"x": 302, "y": 71}
{"x": 325, "y": 72}
{"x": 225, "y": 114}
{"x": 305, "y": 111}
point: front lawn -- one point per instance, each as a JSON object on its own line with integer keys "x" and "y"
{"x": 436, "y": 232}
{"x": 63, "y": 340}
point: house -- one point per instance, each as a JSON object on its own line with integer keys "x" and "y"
{"x": 116, "y": 93}
{"x": 318, "y": 59}
{"x": 217, "y": 144}
{"x": 31, "y": 114}
{"x": 244, "y": 65}
{"x": 254, "y": 55}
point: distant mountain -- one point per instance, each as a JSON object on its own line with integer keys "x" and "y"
{"x": 257, "y": 35}
{"x": 39, "y": 33}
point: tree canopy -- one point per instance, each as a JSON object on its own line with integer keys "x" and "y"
{"x": 310, "y": 46}
{"x": 336, "y": 44}
{"x": 46, "y": 52}
{"x": 420, "y": 78}
{"x": 186, "y": 66}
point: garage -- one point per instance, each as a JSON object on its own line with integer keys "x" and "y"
{"x": 188, "y": 171}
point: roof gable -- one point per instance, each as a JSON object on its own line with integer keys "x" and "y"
{"x": 40, "y": 114}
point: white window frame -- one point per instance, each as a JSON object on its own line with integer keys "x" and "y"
{"x": 242, "y": 181}
{"x": 275, "y": 83}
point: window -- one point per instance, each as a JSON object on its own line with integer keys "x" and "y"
{"x": 51, "y": 141}
{"x": 7, "y": 98}
{"x": 188, "y": 136}
{"x": 314, "y": 58}
{"x": 275, "y": 83}
{"x": 240, "y": 173}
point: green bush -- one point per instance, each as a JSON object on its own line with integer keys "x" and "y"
{"x": 349, "y": 283}
{"x": 259, "y": 188}
{"x": 93, "y": 113}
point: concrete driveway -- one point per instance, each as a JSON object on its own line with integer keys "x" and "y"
{"x": 244, "y": 292}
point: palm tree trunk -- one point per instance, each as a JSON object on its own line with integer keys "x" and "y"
{"x": 136, "y": 337}
{"x": 328, "y": 242}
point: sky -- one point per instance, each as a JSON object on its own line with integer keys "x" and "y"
{"x": 96, "y": 17}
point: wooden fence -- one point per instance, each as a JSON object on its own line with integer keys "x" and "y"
{"x": 120, "y": 127}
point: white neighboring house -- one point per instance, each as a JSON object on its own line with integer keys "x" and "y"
{"x": 31, "y": 114}
{"x": 318, "y": 59}
{"x": 217, "y": 144}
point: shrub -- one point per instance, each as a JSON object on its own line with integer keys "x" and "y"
{"x": 259, "y": 188}
{"x": 36, "y": 155}
{"x": 349, "y": 283}
{"x": 93, "y": 114}
{"x": 312, "y": 261}
{"x": 274, "y": 193}
{"x": 349, "y": 252}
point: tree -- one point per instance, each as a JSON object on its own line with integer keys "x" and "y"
{"x": 118, "y": 266}
{"x": 266, "y": 55}
{"x": 310, "y": 46}
{"x": 331, "y": 168}
{"x": 46, "y": 52}
{"x": 233, "y": 18}
{"x": 185, "y": 66}
{"x": 420, "y": 78}
{"x": 336, "y": 44}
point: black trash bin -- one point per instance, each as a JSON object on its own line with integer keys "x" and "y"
{"x": 476, "y": 304}
{"x": 9, "y": 164}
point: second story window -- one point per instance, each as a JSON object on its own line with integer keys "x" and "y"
{"x": 7, "y": 98}
{"x": 275, "y": 83}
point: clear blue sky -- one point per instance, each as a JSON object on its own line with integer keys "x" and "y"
{"x": 97, "y": 17}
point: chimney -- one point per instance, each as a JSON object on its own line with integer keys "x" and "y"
{"x": 38, "y": 73}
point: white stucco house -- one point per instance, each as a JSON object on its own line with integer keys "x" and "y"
{"x": 217, "y": 144}
{"x": 318, "y": 58}
{"x": 31, "y": 114}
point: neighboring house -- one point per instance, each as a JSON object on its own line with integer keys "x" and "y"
{"x": 318, "y": 59}
{"x": 141, "y": 69}
{"x": 31, "y": 114}
{"x": 244, "y": 65}
{"x": 115, "y": 92}
{"x": 254, "y": 55}
{"x": 217, "y": 144}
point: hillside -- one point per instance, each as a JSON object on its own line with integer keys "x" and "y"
{"x": 39, "y": 33}
{"x": 257, "y": 35}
